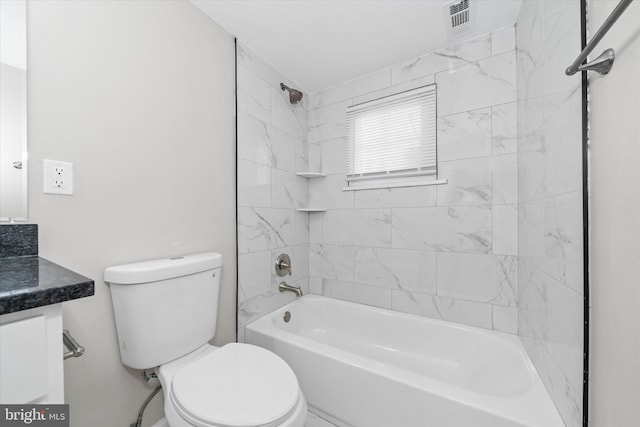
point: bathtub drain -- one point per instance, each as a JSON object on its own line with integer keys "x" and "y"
{"x": 287, "y": 317}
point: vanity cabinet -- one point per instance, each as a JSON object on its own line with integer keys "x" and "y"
{"x": 32, "y": 290}
{"x": 31, "y": 356}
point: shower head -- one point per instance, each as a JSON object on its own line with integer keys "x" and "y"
{"x": 295, "y": 96}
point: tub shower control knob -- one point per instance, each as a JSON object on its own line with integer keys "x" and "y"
{"x": 283, "y": 265}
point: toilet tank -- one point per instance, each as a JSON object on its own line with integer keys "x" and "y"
{"x": 164, "y": 308}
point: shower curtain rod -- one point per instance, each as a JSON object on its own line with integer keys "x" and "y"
{"x": 602, "y": 64}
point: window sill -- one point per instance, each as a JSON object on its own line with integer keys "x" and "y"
{"x": 394, "y": 185}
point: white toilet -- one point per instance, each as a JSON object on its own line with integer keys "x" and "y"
{"x": 165, "y": 313}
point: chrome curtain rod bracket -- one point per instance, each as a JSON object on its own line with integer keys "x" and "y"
{"x": 603, "y": 63}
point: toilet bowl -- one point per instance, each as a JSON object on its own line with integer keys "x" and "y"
{"x": 237, "y": 385}
{"x": 165, "y": 312}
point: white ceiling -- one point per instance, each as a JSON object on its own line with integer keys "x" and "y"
{"x": 320, "y": 43}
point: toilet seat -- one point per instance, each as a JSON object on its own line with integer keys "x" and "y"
{"x": 238, "y": 385}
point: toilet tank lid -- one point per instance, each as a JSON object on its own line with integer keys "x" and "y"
{"x": 162, "y": 269}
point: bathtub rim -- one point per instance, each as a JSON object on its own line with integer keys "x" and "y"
{"x": 510, "y": 407}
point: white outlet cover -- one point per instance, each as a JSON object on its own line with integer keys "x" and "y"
{"x": 58, "y": 177}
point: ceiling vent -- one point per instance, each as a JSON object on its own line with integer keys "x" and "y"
{"x": 459, "y": 14}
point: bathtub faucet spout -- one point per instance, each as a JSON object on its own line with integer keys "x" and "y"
{"x": 287, "y": 288}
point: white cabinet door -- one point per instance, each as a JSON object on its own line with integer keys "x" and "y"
{"x": 31, "y": 368}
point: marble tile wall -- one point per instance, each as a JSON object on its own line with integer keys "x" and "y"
{"x": 499, "y": 246}
{"x": 272, "y": 147}
{"x": 447, "y": 251}
{"x": 550, "y": 268}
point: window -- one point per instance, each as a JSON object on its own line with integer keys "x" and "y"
{"x": 391, "y": 141}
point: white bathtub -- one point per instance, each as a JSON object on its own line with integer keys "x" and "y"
{"x": 367, "y": 367}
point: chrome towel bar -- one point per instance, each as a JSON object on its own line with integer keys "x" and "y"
{"x": 603, "y": 63}
{"x": 75, "y": 349}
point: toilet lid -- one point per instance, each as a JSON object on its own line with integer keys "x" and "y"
{"x": 236, "y": 385}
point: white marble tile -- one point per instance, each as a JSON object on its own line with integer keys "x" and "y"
{"x": 458, "y": 311}
{"x": 302, "y": 228}
{"x": 549, "y": 173}
{"x": 567, "y": 399}
{"x": 390, "y": 268}
{"x": 389, "y": 197}
{"x": 427, "y": 195}
{"x": 532, "y": 291}
{"x": 550, "y": 240}
{"x": 394, "y": 89}
{"x": 253, "y": 95}
{"x": 315, "y": 285}
{"x": 288, "y": 190}
{"x": 563, "y": 226}
{"x": 504, "y": 128}
{"x": 331, "y": 262}
{"x": 531, "y": 230}
{"x": 541, "y": 65}
{"x": 254, "y": 140}
{"x": 254, "y": 274}
{"x": 347, "y": 90}
{"x": 260, "y": 229}
{"x": 539, "y": 275}
{"x": 315, "y": 157}
{"x": 469, "y": 182}
{"x": 532, "y": 327}
{"x": 327, "y": 192}
{"x": 425, "y": 65}
{"x": 314, "y": 100}
{"x": 469, "y": 50}
{"x": 454, "y": 56}
{"x": 563, "y": 119}
{"x": 464, "y": 135}
{"x": 254, "y": 184}
{"x": 505, "y": 229}
{"x": 504, "y": 179}
{"x": 315, "y": 227}
{"x": 284, "y": 150}
{"x": 301, "y": 157}
{"x": 358, "y": 227}
{"x": 530, "y": 25}
{"x": 553, "y": 260}
{"x": 488, "y": 82}
{"x": 334, "y": 156}
{"x": 484, "y": 278}
{"x": 328, "y": 122}
{"x": 363, "y": 294}
{"x": 303, "y": 284}
{"x": 565, "y": 353}
{"x": 289, "y": 118}
{"x": 543, "y": 288}
{"x": 257, "y": 66}
{"x": 530, "y": 124}
{"x": 459, "y": 229}
{"x": 503, "y": 40}
{"x": 505, "y": 319}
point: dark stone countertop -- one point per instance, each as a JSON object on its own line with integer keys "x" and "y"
{"x": 30, "y": 281}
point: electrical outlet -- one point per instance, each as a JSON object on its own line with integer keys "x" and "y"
{"x": 58, "y": 177}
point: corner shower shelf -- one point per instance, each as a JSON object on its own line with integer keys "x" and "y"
{"x": 311, "y": 175}
{"x": 310, "y": 210}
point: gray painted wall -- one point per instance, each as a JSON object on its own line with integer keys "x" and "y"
{"x": 614, "y": 220}
{"x": 140, "y": 97}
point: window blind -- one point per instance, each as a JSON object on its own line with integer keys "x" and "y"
{"x": 393, "y": 137}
